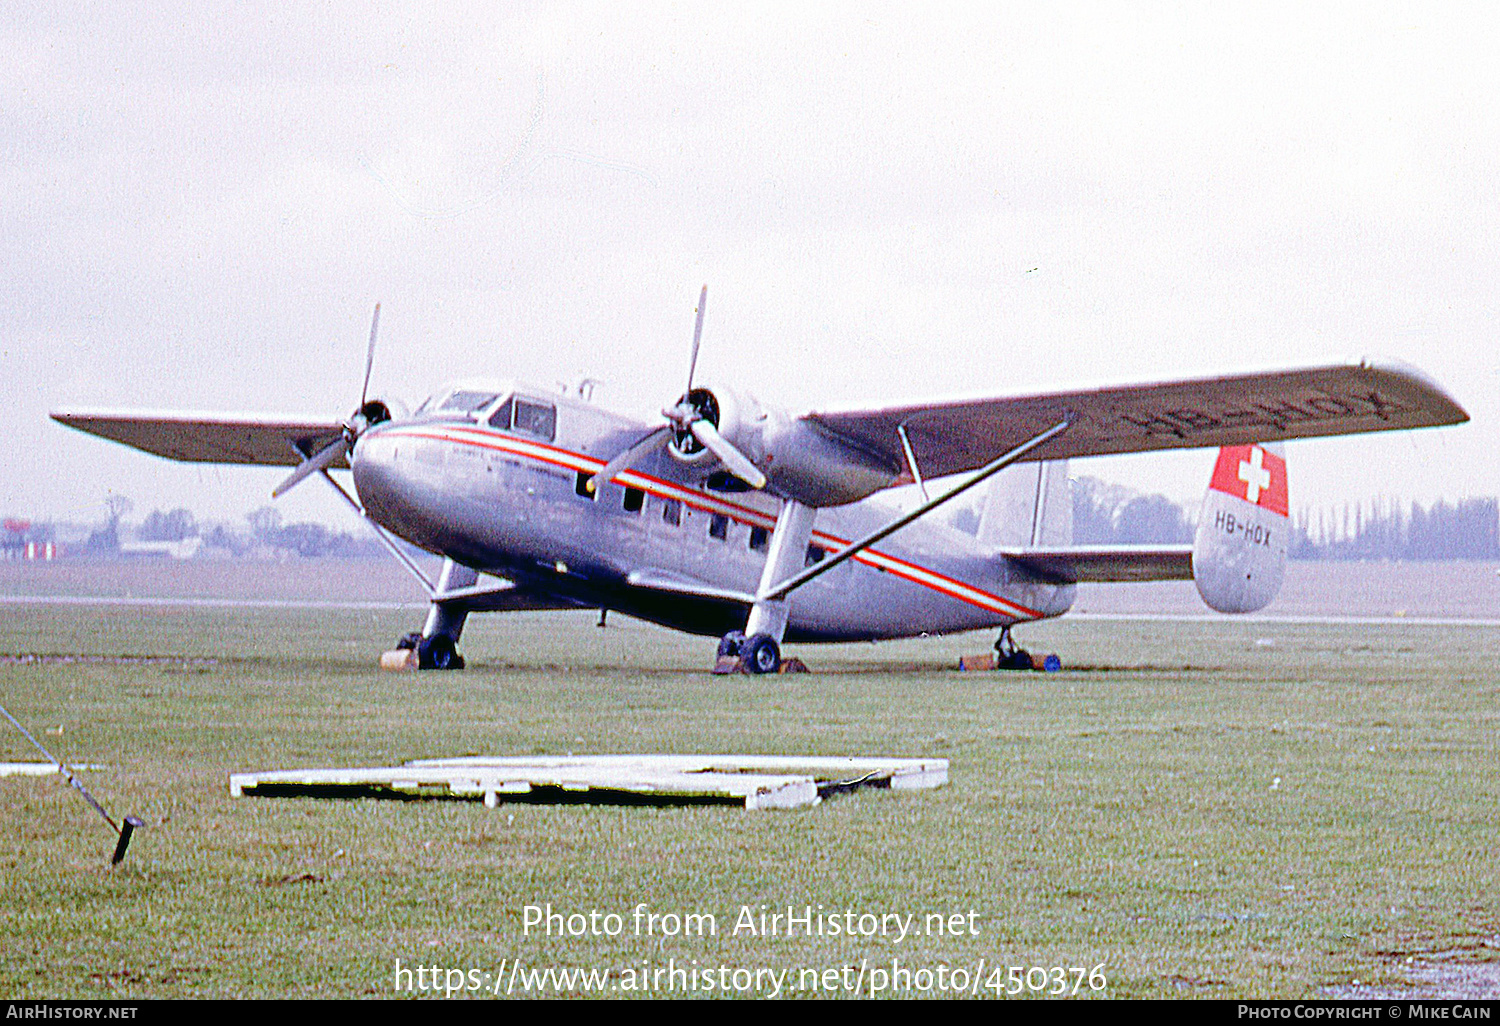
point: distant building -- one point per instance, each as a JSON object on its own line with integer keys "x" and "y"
{"x": 187, "y": 548}
{"x": 19, "y": 540}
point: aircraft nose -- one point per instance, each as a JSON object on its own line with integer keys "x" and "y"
{"x": 377, "y": 481}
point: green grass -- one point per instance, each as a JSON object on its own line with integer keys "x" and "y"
{"x": 1216, "y": 809}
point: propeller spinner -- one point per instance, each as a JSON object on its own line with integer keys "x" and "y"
{"x": 691, "y": 424}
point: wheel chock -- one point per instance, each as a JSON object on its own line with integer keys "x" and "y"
{"x": 399, "y": 659}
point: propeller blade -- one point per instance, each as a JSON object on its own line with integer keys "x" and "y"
{"x": 370, "y": 357}
{"x": 732, "y": 458}
{"x": 654, "y": 439}
{"x": 697, "y": 337}
{"x": 321, "y": 460}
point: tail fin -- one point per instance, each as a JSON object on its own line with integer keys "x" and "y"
{"x": 1030, "y": 504}
{"x": 1239, "y": 552}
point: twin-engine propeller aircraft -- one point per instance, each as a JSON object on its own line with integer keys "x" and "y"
{"x": 737, "y": 520}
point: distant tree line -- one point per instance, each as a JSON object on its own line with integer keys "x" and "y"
{"x": 266, "y": 530}
{"x": 304, "y": 538}
{"x": 1469, "y": 529}
{"x": 1106, "y": 514}
{"x": 169, "y": 527}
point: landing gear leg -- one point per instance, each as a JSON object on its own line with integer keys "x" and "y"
{"x": 1010, "y": 656}
{"x": 758, "y": 647}
{"x": 436, "y": 645}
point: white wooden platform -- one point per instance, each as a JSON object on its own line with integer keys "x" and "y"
{"x": 751, "y": 781}
{"x": 33, "y": 769}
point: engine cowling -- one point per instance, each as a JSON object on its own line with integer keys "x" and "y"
{"x": 380, "y": 410}
{"x": 800, "y": 460}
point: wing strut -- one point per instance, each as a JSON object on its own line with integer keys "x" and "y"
{"x": 380, "y": 533}
{"x": 911, "y": 460}
{"x": 851, "y": 550}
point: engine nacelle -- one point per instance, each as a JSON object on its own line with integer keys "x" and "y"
{"x": 800, "y": 460}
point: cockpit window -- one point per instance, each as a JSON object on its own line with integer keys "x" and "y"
{"x": 527, "y": 416}
{"x": 467, "y": 401}
{"x": 538, "y": 419}
{"x": 501, "y": 417}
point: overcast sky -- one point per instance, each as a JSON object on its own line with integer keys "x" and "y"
{"x": 201, "y": 205}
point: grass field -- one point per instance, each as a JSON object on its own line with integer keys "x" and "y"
{"x": 1212, "y": 809}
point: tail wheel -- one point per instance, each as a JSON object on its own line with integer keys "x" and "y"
{"x": 761, "y": 654}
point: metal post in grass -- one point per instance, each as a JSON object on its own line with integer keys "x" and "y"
{"x": 131, "y": 822}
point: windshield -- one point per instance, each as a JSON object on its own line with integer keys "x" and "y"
{"x": 458, "y": 400}
{"x": 467, "y": 401}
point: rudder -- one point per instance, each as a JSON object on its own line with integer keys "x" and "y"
{"x": 1239, "y": 550}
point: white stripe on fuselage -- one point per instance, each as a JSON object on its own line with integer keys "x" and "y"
{"x": 542, "y": 452}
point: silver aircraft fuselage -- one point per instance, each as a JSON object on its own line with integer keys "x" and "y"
{"x": 498, "y": 481}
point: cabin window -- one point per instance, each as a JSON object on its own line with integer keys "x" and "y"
{"x": 634, "y": 500}
{"x": 758, "y": 538}
{"x": 581, "y": 485}
{"x": 671, "y": 512}
{"x": 815, "y": 554}
{"x": 718, "y": 526}
{"x": 538, "y": 419}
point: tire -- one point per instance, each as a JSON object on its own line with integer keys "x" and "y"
{"x": 761, "y": 654}
{"x": 731, "y": 644}
{"x": 438, "y": 653}
{"x": 1020, "y": 659}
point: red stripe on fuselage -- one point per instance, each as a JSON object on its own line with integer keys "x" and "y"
{"x": 543, "y": 452}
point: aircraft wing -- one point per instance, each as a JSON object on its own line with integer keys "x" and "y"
{"x": 271, "y": 440}
{"x": 1101, "y": 563}
{"x": 953, "y": 436}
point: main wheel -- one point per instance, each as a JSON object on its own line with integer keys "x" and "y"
{"x": 761, "y": 654}
{"x": 438, "y": 653}
{"x": 731, "y": 644}
{"x": 1018, "y": 659}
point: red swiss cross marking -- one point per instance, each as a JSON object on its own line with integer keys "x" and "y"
{"x": 1254, "y": 474}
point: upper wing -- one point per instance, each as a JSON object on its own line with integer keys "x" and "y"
{"x": 949, "y": 437}
{"x": 211, "y": 437}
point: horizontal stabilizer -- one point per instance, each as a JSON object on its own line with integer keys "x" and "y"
{"x": 1107, "y": 563}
